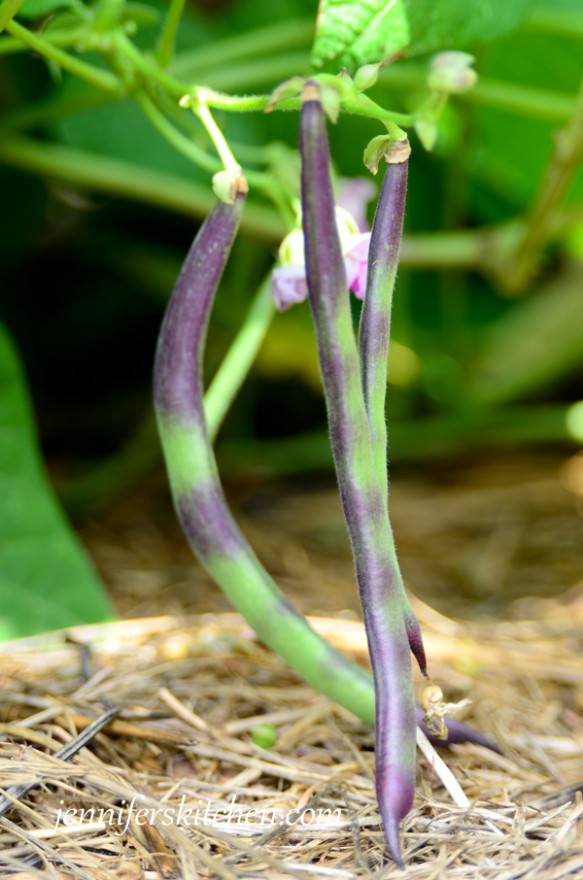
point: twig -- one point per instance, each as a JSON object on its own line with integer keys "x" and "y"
{"x": 442, "y": 770}
{"x": 17, "y": 792}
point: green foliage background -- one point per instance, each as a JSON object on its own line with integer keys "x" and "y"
{"x": 99, "y": 210}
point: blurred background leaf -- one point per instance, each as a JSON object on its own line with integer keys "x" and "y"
{"x": 46, "y": 579}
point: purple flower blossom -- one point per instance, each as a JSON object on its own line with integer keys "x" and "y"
{"x": 356, "y": 262}
{"x": 288, "y": 280}
{"x": 288, "y": 286}
{"x": 354, "y": 194}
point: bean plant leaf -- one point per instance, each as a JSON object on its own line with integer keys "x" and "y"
{"x": 350, "y": 33}
{"x": 46, "y": 580}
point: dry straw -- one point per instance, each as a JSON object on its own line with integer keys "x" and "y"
{"x": 190, "y": 694}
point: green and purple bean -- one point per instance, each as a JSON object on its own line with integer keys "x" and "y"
{"x": 354, "y": 378}
{"x": 361, "y": 489}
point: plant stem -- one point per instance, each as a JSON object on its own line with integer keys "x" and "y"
{"x": 565, "y": 163}
{"x": 54, "y": 108}
{"x": 186, "y": 145}
{"x": 365, "y": 106}
{"x": 462, "y": 250}
{"x": 543, "y": 104}
{"x": 240, "y": 103}
{"x": 147, "y": 68}
{"x": 103, "y": 79}
{"x": 106, "y": 15}
{"x": 119, "y": 177}
{"x": 516, "y": 99}
{"x": 267, "y": 40}
{"x": 552, "y": 19}
{"x": 61, "y": 38}
{"x": 257, "y": 72}
{"x": 200, "y": 108}
{"x": 179, "y": 141}
{"x": 238, "y": 360}
{"x": 415, "y": 441}
{"x": 167, "y": 39}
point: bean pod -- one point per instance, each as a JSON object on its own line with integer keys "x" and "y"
{"x": 363, "y": 500}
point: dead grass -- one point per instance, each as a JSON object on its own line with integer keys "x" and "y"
{"x": 190, "y": 694}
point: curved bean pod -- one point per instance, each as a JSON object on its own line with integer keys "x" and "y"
{"x": 198, "y": 497}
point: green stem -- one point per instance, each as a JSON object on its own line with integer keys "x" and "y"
{"x": 462, "y": 250}
{"x": 185, "y": 145}
{"x": 237, "y": 363}
{"x": 256, "y": 73}
{"x": 175, "y": 137}
{"x": 254, "y": 103}
{"x": 517, "y": 99}
{"x": 61, "y": 38}
{"x": 103, "y": 79}
{"x": 552, "y": 19}
{"x": 165, "y": 48}
{"x": 241, "y": 103}
{"x": 122, "y": 178}
{"x": 200, "y": 108}
{"x": 366, "y": 107}
{"x": 565, "y": 163}
{"x": 140, "y": 455}
{"x": 8, "y": 10}
{"x": 146, "y": 67}
{"x": 420, "y": 440}
{"x": 253, "y": 44}
{"x": 53, "y": 109}
{"x": 107, "y": 15}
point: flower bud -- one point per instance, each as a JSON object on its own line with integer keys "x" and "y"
{"x": 451, "y": 72}
{"x": 365, "y": 77}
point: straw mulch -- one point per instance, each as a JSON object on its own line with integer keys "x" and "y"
{"x": 191, "y": 692}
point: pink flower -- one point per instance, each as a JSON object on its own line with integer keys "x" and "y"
{"x": 288, "y": 286}
{"x": 354, "y": 194}
{"x": 356, "y": 264}
{"x": 288, "y": 280}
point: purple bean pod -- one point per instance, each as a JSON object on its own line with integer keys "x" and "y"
{"x": 374, "y": 339}
{"x": 360, "y": 489}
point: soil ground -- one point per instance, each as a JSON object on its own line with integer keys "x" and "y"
{"x": 473, "y": 537}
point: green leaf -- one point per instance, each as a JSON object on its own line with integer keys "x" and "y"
{"x": 46, "y": 580}
{"x": 351, "y": 33}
